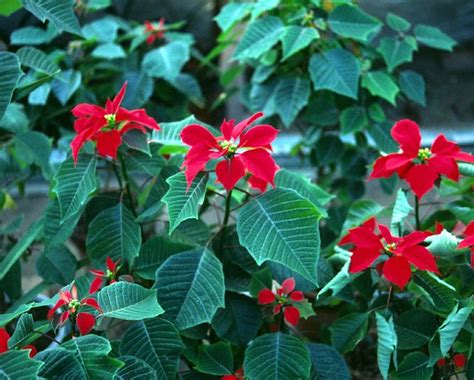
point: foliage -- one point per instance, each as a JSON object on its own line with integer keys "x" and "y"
{"x": 182, "y": 251}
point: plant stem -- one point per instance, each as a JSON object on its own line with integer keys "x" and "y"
{"x": 227, "y": 209}
{"x": 123, "y": 169}
{"x": 417, "y": 213}
{"x": 390, "y": 291}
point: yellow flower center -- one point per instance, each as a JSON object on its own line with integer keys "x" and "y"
{"x": 390, "y": 247}
{"x": 424, "y": 154}
{"x": 73, "y": 304}
{"x": 231, "y": 147}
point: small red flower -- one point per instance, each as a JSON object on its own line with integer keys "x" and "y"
{"x": 284, "y": 296}
{"x": 238, "y": 375}
{"x": 459, "y": 360}
{"x": 155, "y": 32}
{"x": 101, "y": 277}
{"x": 441, "y": 362}
{"x": 69, "y": 301}
{"x": 5, "y": 337}
{"x": 243, "y": 149}
{"x": 106, "y": 126}
{"x": 420, "y": 167}
{"x": 468, "y": 241}
{"x": 402, "y": 251}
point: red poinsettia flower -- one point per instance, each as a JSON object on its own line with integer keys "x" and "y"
{"x": 238, "y": 375}
{"x": 155, "y": 32}
{"x": 241, "y": 147}
{"x": 5, "y": 337}
{"x": 459, "y": 361}
{"x": 106, "y": 126}
{"x": 420, "y": 167}
{"x": 101, "y": 277}
{"x": 402, "y": 251}
{"x": 284, "y": 297}
{"x": 68, "y": 301}
{"x": 468, "y": 241}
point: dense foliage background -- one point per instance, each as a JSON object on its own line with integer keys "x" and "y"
{"x": 252, "y": 272}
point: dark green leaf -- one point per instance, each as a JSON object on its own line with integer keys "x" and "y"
{"x": 414, "y": 367}
{"x": 352, "y": 22}
{"x": 10, "y": 72}
{"x": 381, "y": 84}
{"x": 215, "y": 359}
{"x": 395, "y": 52}
{"x": 57, "y": 265}
{"x": 17, "y": 365}
{"x": 433, "y": 37}
{"x": 328, "y": 364}
{"x": 353, "y": 119}
{"x": 295, "y": 38}
{"x": 37, "y": 60}
{"x": 412, "y": 85}
{"x": 348, "y": 331}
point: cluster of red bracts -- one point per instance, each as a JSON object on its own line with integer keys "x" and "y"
{"x": 420, "y": 167}
{"x": 373, "y": 240}
{"x": 71, "y": 306}
{"x": 459, "y": 361}
{"x": 237, "y": 375}
{"x": 5, "y": 337}
{"x": 154, "y": 32}
{"x": 283, "y": 299}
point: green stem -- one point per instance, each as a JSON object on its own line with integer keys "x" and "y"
{"x": 417, "y": 213}
{"x": 227, "y": 209}
{"x": 123, "y": 169}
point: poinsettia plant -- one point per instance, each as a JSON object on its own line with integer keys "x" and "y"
{"x": 180, "y": 249}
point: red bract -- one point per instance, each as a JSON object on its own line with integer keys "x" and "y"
{"x": 468, "y": 241}
{"x": 68, "y": 300}
{"x": 106, "y": 126}
{"x": 238, "y": 375}
{"x": 5, "y": 337}
{"x": 243, "y": 149}
{"x": 155, "y": 32}
{"x": 284, "y": 296}
{"x": 459, "y": 360}
{"x": 420, "y": 167}
{"x": 402, "y": 251}
{"x": 101, "y": 277}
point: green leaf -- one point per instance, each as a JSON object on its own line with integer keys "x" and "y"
{"x": 195, "y": 298}
{"x": 380, "y": 84}
{"x": 154, "y": 253}
{"x": 231, "y": 13}
{"x": 380, "y": 133}
{"x": 397, "y": 23}
{"x": 139, "y": 89}
{"x": 10, "y": 72}
{"x": 114, "y": 232}
{"x": 415, "y": 328}
{"x": 103, "y": 30}
{"x": 15, "y": 119}
{"x": 338, "y": 282}
{"x": 215, "y": 359}
{"x": 412, "y": 85}
{"x": 414, "y": 366}
{"x": 59, "y": 361}
{"x": 57, "y": 265}
{"x": 291, "y": 96}
{"x": 109, "y": 51}
{"x": 167, "y": 61}
{"x": 135, "y": 369}
{"x": 39, "y": 96}
{"x": 386, "y": 343}
{"x": 353, "y": 119}
{"x": 451, "y": 327}
{"x": 137, "y": 140}
{"x": 401, "y": 209}
{"x": 437, "y": 292}
{"x": 23, "y": 328}
{"x": 260, "y": 36}
{"x": 73, "y": 184}
{"x": 328, "y": 364}
{"x": 37, "y": 60}
{"x": 65, "y": 84}
{"x": 395, "y": 52}
{"x": 56, "y": 233}
{"x": 262, "y": 6}
{"x": 157, "y": 343}
{"x": 61, "y": 14}
{"x": 8, "y": 317}
{"x": 128, "y": 301}
{"x": 336, "y": 70}
{"x": 277, "y": 356}
{"x": 328, "y": 149}
{"x": 359, "y": 212}
{"x": 444, "y": 244}
{"x": 239, "y": 321}
{"x": 433, "y": 37}
{"x": 189, "y": 86}
{"x": 352, "y": 22}
{"x": 17, "y": 365}
{"x": 296, "y": 38}
{"x": 141, "y": 162}
{"x": 34, "y": 147}
{"x": 184, "y": 203}
{"x": 303, "y": 186}
{"x": 14, "y": 254}
{"x": 7, "y": 7}
{"x": 282, "y": 226}
{"x": 348, "y": 331}
{"x": 92, "y": 351}
{"x": 31, "y": 35}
